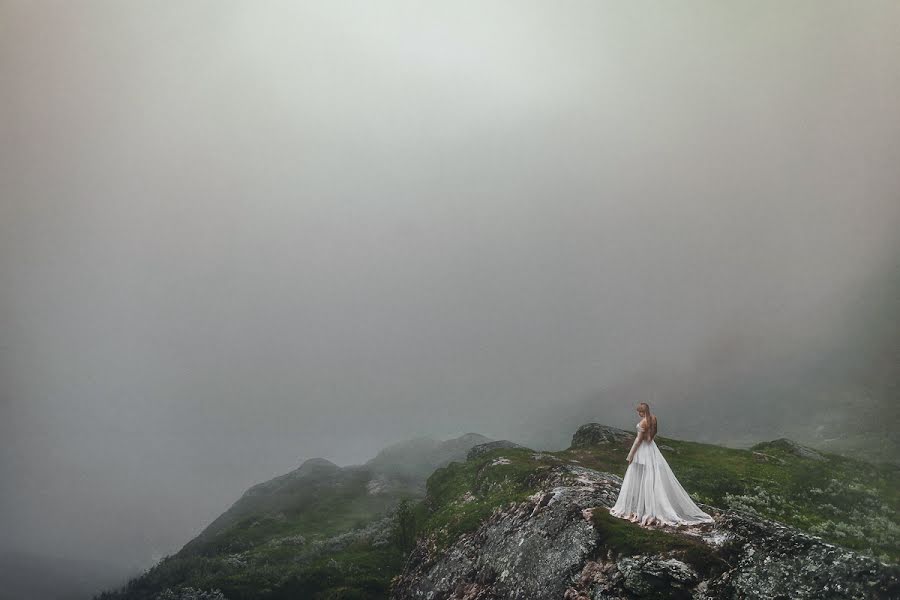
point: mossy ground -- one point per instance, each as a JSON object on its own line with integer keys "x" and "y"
{"x": 625, "y": 538}
{"x": 462, "y": 495}
{"x": 257, "y": 556}
{"x": 317, "y": 507}
{"x": 845, "y": 501}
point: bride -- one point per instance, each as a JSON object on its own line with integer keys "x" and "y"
{"x": 650, "y": 492}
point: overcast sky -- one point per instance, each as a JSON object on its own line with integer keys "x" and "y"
{"x": 236, "y": 235}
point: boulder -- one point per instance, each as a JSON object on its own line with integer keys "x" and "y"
{"x": 552, "y": 546}
{"x": 480, "y": 449}
{"x": 791, "y": 447}
{"x": 594, "y": 434}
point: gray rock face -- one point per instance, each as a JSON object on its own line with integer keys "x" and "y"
{"x": 476, "y": 451}
{"x": 548, "y": 548}
{"x": 593, "y": 434}
{"x": 651, "y": 577}
{"x": 527, "y": 550}
{"x": 775, "y": 561}
{"x": 792, "y": 447}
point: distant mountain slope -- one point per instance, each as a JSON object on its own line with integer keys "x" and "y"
{"x": 283, "y": 536}
{"x": 414, "y": 460}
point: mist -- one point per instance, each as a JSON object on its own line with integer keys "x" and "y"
{"x": 236, "y": 235}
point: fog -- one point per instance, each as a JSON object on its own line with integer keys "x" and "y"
{"x": 236, "y": 235}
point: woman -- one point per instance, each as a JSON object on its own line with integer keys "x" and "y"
{"x": 650, "y": 492}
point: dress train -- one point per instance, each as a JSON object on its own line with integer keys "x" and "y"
{"x": 651, "y": 491}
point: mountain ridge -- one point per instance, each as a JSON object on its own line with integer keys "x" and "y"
{"x": 323, "y": 529}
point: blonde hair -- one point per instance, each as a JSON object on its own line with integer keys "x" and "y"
{"x": 651, "y": 421}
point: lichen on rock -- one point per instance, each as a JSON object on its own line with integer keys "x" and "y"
{"x": 561, "y": 542}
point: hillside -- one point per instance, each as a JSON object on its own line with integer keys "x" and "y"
{"x": 560, "y": 542}
{"x": 323, "y": 531}
{"x": 290, "y": 536}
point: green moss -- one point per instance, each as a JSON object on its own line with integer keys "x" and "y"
{"x": 462, "y": 495}
{"x": 243, "y": 562}
{"x": 845, "y": 501}
{"x": 360, "y": 572}
{"x": 625, "y": 538}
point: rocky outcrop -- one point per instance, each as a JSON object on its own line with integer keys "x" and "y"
{"x": 593, "y": 434}
{"x": 791, "y": 447}
{"x": 476, "y": 451}
{"x": 526, "y": 550}
{"x": 772, "y": 560}
{"x": 556, "y": 545}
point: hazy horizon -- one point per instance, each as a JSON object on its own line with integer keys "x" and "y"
{"x": 235, "y": 236}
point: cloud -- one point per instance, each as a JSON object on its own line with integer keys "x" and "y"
{"x": 233, "y": 236}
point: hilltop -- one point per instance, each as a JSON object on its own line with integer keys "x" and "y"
{"x": 425, "y": 514}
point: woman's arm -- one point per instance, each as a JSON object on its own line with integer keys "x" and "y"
{"x": 637, "y": 441}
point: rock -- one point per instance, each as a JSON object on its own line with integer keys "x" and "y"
{"x": 773, "y": 560}
{"x": 791, "y": 447}
{"x": 593, "y": 434}
{"x": 651, "y": 577}
{"x": 763, "y": 457}
{"x": 480, "y": 449}
{"x": 377, "y": 485}
{"x": 518, "y": 552}
{"x": 548, "y": 547}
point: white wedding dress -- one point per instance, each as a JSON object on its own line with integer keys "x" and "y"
{"x": 650, "y": 490}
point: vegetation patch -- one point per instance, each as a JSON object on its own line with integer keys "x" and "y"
{"x": 299, "y": 540}
{"x": 462, "y": 495}
{"x": 363, "y": 572}
{"x": 844, "y": 501}
{"x": 303, "y": 543}
{"x": 625, "y": 538}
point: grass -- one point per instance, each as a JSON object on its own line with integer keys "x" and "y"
{"x": 845, "y": 501}
{"x": 269, "y": 547}
{"x": 842, "y": 500}
{"x": 625, "y": 538}
{"x": 260, "y": 550}
{"x": 361, "y": 572}
{"x": 462, "y": 495}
